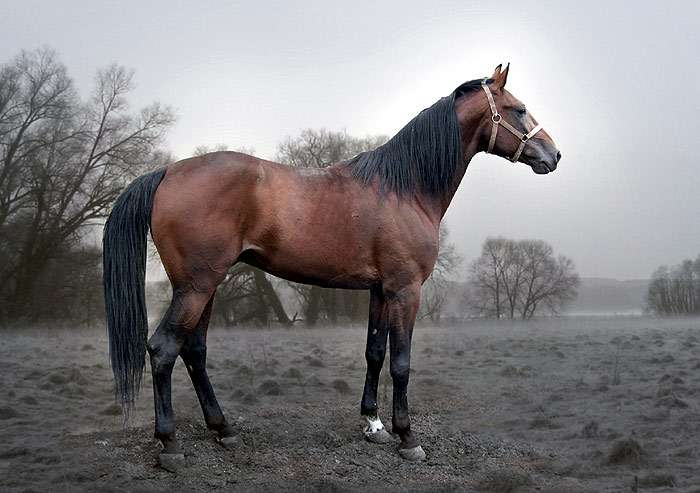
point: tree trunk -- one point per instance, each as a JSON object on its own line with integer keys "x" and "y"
{"x": 330, "y": 298}
{"x": 20, "y": 297}
{"x": 313, "y": 306}
{"x": 270, "y": 295}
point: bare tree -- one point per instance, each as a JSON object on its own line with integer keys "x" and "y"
{"x": 514, "y": 279}
{"x": 319, "y": 149}
{"x": 35, "y": 95}
{"x": 549, "y": 283}
{"x": 485, "y": 279}
{"x": 63, "y": 162}
{"x": 675, "y": 290}
{"x": 437, "y": 287}
{"x": 247, "y": 295}
{"x": 203, "y": 149}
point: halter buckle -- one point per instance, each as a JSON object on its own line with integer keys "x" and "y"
{"x": 524, "y": 138}
{"x": 495, "y": 118}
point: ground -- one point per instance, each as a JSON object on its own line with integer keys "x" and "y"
{"x": 557, "y": 405}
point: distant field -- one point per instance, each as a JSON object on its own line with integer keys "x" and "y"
{"x": 565, "y": 405}
{"x": 598, "y": 296}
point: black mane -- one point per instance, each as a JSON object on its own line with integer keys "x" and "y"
{"x": 423, "y": 156}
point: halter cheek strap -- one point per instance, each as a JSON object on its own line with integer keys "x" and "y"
{"x": 497, "y": 120}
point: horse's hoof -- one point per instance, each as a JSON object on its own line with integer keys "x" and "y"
{"x": 228, "y": 442}
{"x": 414, "y": 454}
{"x": 171, "y": 462}
{"x": 379, "y": 436}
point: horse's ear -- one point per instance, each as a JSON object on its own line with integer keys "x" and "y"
{"x": 499, "y": 77}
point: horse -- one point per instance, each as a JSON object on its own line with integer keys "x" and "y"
{"x": 370, "y": 222}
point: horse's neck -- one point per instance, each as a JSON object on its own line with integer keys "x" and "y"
{"x": 471, "y": 147}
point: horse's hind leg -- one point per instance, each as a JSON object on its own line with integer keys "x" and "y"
{"x": 163, "y": 348}
{"x": 194, "y": 354}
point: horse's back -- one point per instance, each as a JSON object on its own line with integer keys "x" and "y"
{"x": 320, "y": 226}
{"x": 210, "y": 209}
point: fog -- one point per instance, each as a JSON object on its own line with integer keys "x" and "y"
{"x": 559, "y": 404}
{"x": 617, "y": 87}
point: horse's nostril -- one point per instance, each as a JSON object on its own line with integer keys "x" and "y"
{"x": 558, "y": 156}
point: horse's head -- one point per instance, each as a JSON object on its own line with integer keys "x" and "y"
{"x": 509, "y": 130}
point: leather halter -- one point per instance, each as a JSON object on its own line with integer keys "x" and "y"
{"x": 497, "y": 120}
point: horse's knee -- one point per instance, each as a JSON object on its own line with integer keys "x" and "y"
{"x": 400, "y": 371}
{"x": 375, "y": 357}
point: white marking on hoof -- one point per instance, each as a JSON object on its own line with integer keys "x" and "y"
{"x": 374, "y": 424}
{"x": 228, "y": 442}
{"x": 414, "y": 454}
{"x": 375, "y": 431}
{"x": 171, "y": 462}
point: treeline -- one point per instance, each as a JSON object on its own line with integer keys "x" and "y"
{"x": 519, "y": 279}
{"x": 64, "y": 159}
{"x": 675, "y": 290}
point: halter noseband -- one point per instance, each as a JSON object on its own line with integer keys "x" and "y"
{"x": 497, "y": 120}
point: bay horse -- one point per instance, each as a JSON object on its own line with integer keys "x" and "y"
{"x": 370, "y": 222}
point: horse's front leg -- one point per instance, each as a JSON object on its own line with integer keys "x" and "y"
{"x": 401, "y": 308}
{"x": 377, "y": 333}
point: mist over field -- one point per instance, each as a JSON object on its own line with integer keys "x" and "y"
{"x": 576, "y": 404}
{"x": 556, "y": 344}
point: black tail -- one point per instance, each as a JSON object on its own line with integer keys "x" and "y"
{"x": 124, "y": 266}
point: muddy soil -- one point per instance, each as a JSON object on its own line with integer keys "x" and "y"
{"x": 560, "y": 405}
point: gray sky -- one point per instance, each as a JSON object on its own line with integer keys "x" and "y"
{"x": 615, "y": 84}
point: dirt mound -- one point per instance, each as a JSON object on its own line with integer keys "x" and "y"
{"x": 658, "y": 480}
{"x": 341, "y": 386}
{"x": 293, "y": 373}
{"x": 504, "y": 480}
{"x": 29, "y": 400}
{"x": 590, "y": 430}
{"x": 627, "y": 451}
{"x": 113, "y": 409}
{"x": 7, "y": 412}
{"x": 672, "y": 402}
{"x": 270, "y": 387}
{"x": 505, "y": 415}
{"x": 64, "y": 377}
{"x": 314, "y": 362}
{"x": 514, "y": 371}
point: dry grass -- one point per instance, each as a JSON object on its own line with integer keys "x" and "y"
{"x": 658, "y": 480}
{"x": 504, "y": 480}
{"x": 508, "y": 414}
{"x": 270, "y": 387}
{"x": 590, "y": 430}
{"x": 627, "y": 451}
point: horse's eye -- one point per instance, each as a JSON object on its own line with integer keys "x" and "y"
{"x": 522, "y": 111}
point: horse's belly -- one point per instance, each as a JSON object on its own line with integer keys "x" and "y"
{"x": 320, "y": 261}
